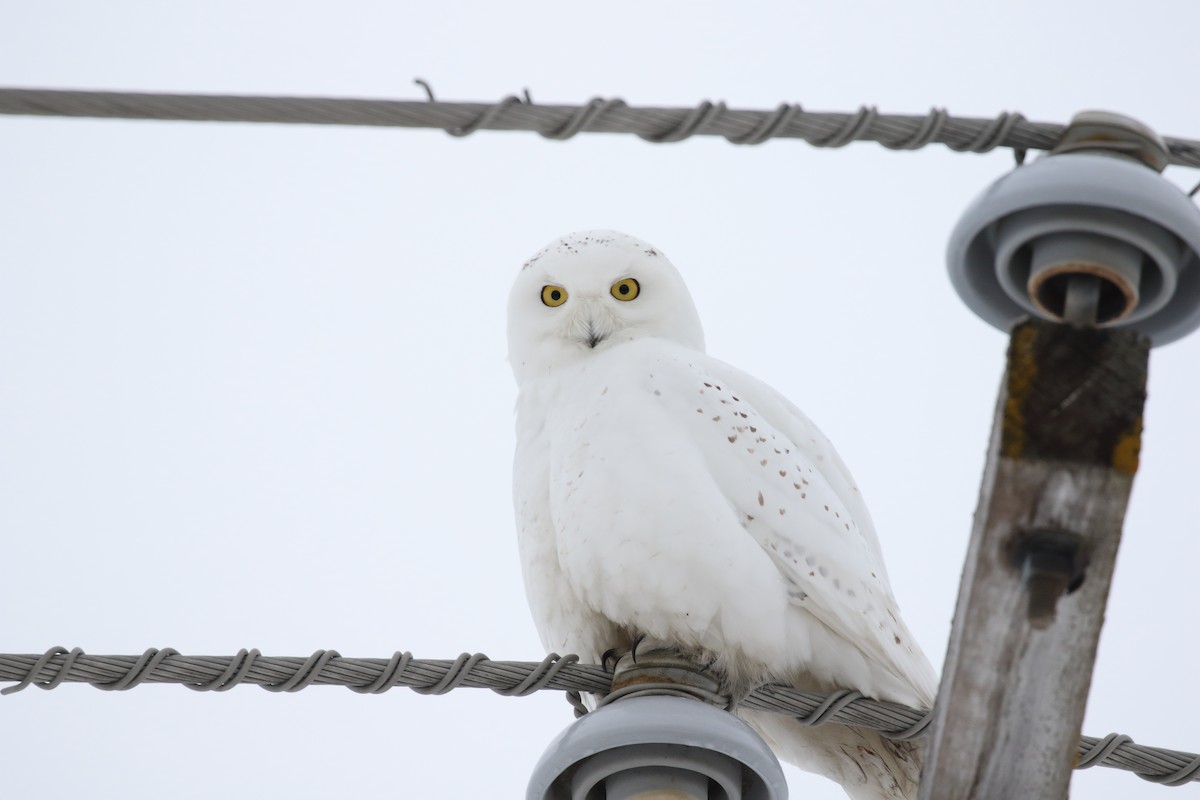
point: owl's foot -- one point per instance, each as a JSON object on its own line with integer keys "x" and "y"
{"x": 645, "y": 643}
{"x": 638, "y": 643}
{"x": 649, "y": 668}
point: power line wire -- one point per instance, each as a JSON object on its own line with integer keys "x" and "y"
{"x": 514, "y": 678}
{"x": 598, "y": 115}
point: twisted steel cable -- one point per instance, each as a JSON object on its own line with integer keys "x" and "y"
{"x": 598, "y": 115}
{"x": 511, "y": 678}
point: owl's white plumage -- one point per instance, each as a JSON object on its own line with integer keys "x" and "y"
{"x": 660, "y": 492}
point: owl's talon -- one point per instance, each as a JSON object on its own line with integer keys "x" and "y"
{"x": 610, "y": 655}
{"x": 633, "y": 650}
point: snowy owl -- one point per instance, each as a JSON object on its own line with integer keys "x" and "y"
{"x": 663, "y": 495}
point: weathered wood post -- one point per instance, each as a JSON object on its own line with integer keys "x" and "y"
{"x": 1094, "y": 241}
{"x": 1060, "y": 468}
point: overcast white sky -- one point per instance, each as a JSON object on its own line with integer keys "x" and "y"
{"x": 253, "y": 389}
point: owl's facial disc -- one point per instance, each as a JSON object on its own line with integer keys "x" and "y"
{"x": 590, "y": 291}
{"x": 591, "y": 322}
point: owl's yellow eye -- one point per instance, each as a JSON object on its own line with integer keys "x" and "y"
{"x": 626, "y": 289}
{"x": 554, "y": 296}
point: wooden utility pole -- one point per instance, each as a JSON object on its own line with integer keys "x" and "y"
{"x": 1060, "y": 467}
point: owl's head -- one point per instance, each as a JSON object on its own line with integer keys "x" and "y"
{"x": 592, "y": 290}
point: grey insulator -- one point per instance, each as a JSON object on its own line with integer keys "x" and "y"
{"x": 1102, "y": 230}
{"x": 677, "y": 746}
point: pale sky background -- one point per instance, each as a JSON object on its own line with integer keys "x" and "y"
{"x": 253, "y": 389}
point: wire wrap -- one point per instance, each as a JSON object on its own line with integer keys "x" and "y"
{"x": 598, "y": 115}
{"x": 512, "y": 679}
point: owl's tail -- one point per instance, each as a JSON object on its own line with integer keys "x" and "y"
{"x": 868, "y": 766}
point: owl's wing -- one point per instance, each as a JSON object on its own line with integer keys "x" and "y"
{"x": 809, "y": 516}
